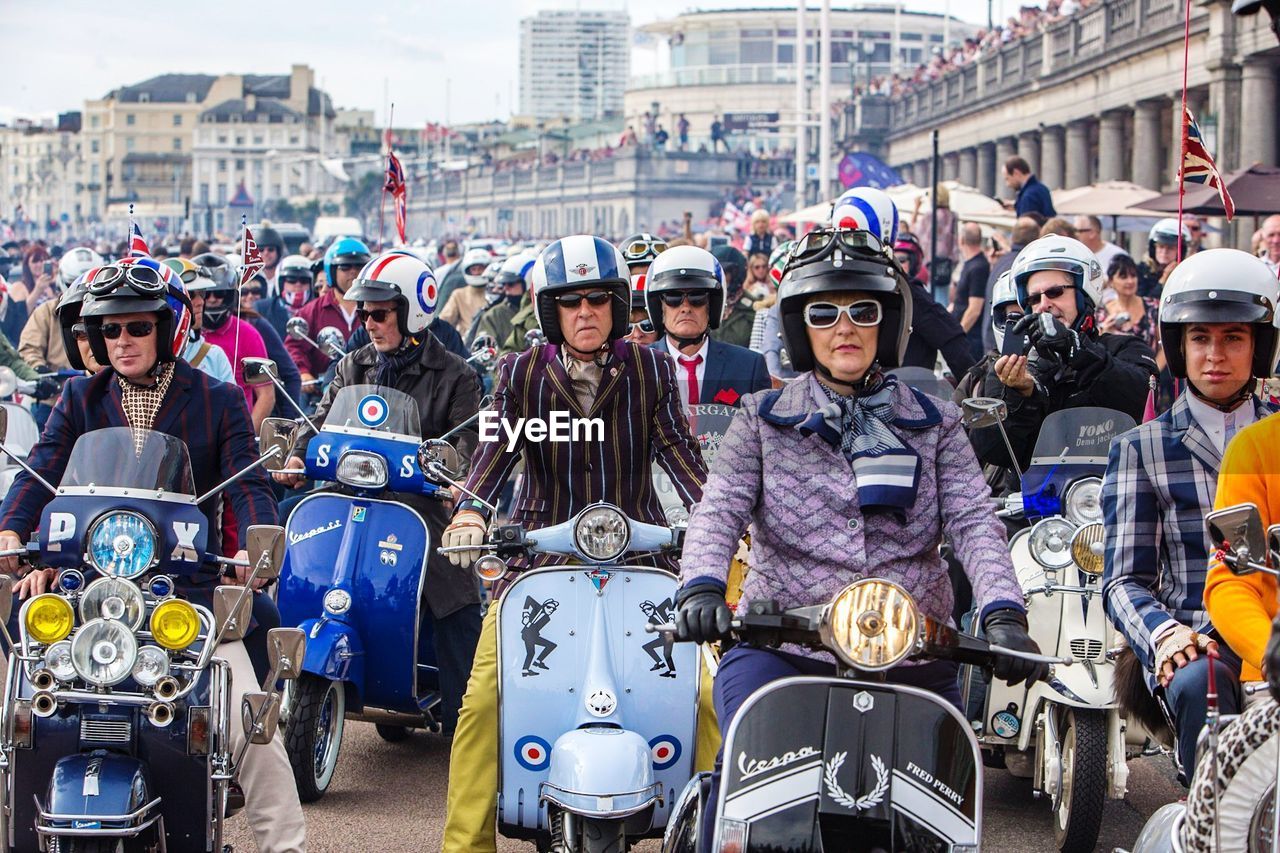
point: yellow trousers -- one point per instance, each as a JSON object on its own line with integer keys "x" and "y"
{"x": 470, "y": 820}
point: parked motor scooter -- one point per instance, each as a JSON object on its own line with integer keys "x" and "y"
{"x": 1068, "y": 734}
{"x": 353, "y": 580}
{"x": 115, "y": 726}
{"x": 1232, "y": 802}
{"x": 596, "y": 719}
{"x": 848, "y": 762}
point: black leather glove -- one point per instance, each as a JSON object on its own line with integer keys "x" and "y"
{"x": 46, "y": 388}
{"x": 1008, "y": 628}
{"x": 1049, "y": 336}
{"x": 703, "y": 616}
{"x": 1271, "y": 660}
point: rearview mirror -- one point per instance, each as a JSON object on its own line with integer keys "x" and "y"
{"x": 6, "y": 598}
{"x": 286, "y": 649}
{"x": 1273, "y": 544}
{"x": 265, "y": 544}
{"x": 297, "y": 328}
{"x": 280, "y": 435}
{"x": 534, "y": 337}
{"x": 259, "y": 371}
{"x": 1238, "y": 530}
{"x": 483, "y": 342}
{"x": 8, "y": 383}
{"x": 435, "y": 452}
{"x": 332, "y": 342}
{"x": 231, "y": 612}
{"x": 260, "y": 715}
{"x": 983, "y": 412}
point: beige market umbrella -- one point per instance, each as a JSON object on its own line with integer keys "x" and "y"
{"x": 1108, "y": 198}
{"x": 967, "y": 203}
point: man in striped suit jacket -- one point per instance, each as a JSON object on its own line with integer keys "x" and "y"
{"x": 581, "y": 293}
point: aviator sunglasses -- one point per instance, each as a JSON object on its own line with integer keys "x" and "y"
{"x": 824, "y": 315}
{"x": 135, "y": 328}
{"x": 1052, "y": 292}
{"x": 377, "y": 315}
{"x": 696, "y": 298}
{"x": 595, "y": 297}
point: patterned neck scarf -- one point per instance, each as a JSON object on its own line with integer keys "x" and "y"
{"x": 887, "y": 472}
{"x": 141, "y": 402}
{"x": 585, "y": 377}
{"x": 389, "y": 365}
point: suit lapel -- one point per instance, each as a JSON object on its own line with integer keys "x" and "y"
{"x": 613, "y": 371}
{"x": 1193, "y": 437}
{"x": 713, "y": 374}
{"x": 560, "y": 380}
{"x": 175, "y": 399}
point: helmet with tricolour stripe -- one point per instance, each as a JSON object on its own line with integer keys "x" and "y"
{"x": 404, "y": 279}
{"x": 574, "y": 263}
{"x": 868, "y": 209}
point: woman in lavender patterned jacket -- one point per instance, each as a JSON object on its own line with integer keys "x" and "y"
{"x": 843, "y": 474}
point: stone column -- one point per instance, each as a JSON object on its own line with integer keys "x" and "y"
{"x": 969, "y": 167}
{"x": 1029, "y": 150}
{"x": 1224, "y": 103}
{"x": 1052, "y": 165}
{"x": 951, "y": 166}
{"x": 1111, "y": 146}
{"x": 1077, "y": 154}
{"x": 987, "y": 168}
{"x": 1005, "y": 148}
{"x": 1258, "y": 114}
{"x": 1146, "y": 145}
{"x": 908, "y": 172}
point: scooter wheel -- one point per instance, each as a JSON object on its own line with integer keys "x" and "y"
{"x": 392, "y": 734}
{"x": 602, "y": 836}
{"x": 1083, "y": 750}
{"x": 314, "y": 736}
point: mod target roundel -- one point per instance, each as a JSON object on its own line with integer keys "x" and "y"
{"x": 373, "y": 411}
{"x": 665, "y": 750}
{"x": 533, "y": 753}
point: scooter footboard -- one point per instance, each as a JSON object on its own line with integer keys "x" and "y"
{"x": 828, "y": 763}
{"x": 601, "y": 772}
{"x": 98, "y": 793}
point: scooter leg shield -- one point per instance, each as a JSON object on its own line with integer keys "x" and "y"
{"x": 334, "y": 651}
{"x": 601, "y": 772}
{"x": 105, "y": 785}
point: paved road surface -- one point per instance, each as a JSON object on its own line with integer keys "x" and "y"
{"x": 390, "y": 797}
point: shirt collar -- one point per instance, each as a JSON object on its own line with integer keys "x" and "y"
{"x": 1221, "y": 426}
{"x": 702, "y": 350}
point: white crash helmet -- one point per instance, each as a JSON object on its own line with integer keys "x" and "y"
{"x": 1167, "y": 231}
{"x": 403, "y": 278}
{"x": 76, "y": 262}
{"x": 684, "y": 268}
{"x": 1003, "y": 295}
{"x": 472, "y": 258}
{"x": 868, "y": 209}
{"x": 1056, "y": 252}
{"x": 515, "y": 268}
{"x": 295, "y": 266}
{"x": 573, "y": 263}
{"x": 1221, "y": 286}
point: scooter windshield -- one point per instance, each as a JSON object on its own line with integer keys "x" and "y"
{"x": 374, "y": 408}
{"x": 120, "y": 457}
{"x": 1080, "y": 436}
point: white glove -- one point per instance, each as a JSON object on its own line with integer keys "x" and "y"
{"x": 1171, "y": 651}
{"x": 467, "y": 528}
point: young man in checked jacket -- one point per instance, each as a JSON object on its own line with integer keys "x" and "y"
{"x": 1216, "y": 325}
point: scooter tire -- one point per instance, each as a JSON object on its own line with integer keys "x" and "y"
{"x": 603, "y": 836}
{"x": 1078, "y": 818}
{"x": 72, "y": 844}
{"x": 392, "y": 734}
{"x": 318, "y": 704}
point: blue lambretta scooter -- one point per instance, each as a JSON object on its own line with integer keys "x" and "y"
{"x": 597, "y": 719}
{"x": 115, "y": 726}
{"x": 352, "y": 580}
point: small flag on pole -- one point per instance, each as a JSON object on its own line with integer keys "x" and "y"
{"x": 138, "y": 247}
{"x": 396, "y": 186}
{"x": 253, "y": 262}
{"x": 1198, "y": 166}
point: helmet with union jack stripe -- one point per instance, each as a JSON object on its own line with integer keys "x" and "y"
{"x": 575, "y": 263}
{"x": 399, "y": 277}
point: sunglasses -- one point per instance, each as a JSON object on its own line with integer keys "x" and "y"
{"x": 348, "y": 266}
{"x": 135, "y": 328}
{"x": 696, "y": 298}
{"x": 638, "y": 249}
{"x": 141, "y": 279}
{"x": 645, "y": 326}
{"x": 1052, "y": 292}
{"x": 377, "y": 315}
{"x": 296, "y": 279}
{"x": 79, "y": 332}
{"x": 824, "y": 315}
{"x": 251, "y": 291}
{"x": 595, "y": 297}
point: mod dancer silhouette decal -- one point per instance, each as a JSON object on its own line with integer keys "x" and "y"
{"x": 660, "y": 614}
{"x": 535, "y": 616}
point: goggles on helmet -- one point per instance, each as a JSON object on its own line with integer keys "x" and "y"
{"x": 141, "y": 279}
{"x": 822, "y": 243}
{"x": 641, "y": 250}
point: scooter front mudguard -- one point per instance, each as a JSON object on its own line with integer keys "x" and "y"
{"x": 1162, "y": 831}
{"x": 98, "y": 790}
{"x": 601, "y": 772}
{"x": 335, "y": 652}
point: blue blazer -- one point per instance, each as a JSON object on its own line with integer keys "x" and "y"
{"x": 731, "y": 369}
{"x": 210, "y": 416}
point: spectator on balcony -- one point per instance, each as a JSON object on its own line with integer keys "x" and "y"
{"x": 682, "y": 132}
{"x": 1033, "y": 196}
{"x": 660, "y": 138}
{"x": 717, "y": 136}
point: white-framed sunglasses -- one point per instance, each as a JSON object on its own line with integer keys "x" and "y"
{"x": 824, "y": 315}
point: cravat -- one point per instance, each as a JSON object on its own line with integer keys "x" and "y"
{"x": 691, "y": 372}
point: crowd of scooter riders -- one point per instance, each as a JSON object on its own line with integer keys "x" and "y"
{"x": 843, "y": 470}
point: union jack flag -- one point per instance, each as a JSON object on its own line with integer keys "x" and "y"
{"x": 1198, "y": 166}
{"x": 253, "y": 262}
{"x": 399, "y": 191}
{"x": 138, "y": 247}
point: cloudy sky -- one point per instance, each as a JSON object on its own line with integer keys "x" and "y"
{"x": 408, "y": 48}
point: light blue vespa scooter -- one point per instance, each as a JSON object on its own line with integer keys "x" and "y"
{"x": 597, "y": 718}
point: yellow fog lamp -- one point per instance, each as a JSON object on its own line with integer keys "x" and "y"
{"x": 1087, "y": 548}
{"x": 49, "y": 618}
{"x": 175, "y": 624}
{"x": 871, "y": 625}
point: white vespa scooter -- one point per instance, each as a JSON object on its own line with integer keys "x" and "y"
{"x": 1067, "y": 734}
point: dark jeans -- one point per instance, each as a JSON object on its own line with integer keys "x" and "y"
{"x": 455, "y": 637}
{"x": 1185, "y": 697}
{"x": 745, "y": 669}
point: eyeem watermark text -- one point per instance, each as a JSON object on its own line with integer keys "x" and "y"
{"x": 561, "y": 426}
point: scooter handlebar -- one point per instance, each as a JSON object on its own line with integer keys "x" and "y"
{"x": 1031, "y": 656}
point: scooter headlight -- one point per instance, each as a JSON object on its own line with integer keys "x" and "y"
{"x": 103, "y": 652}
{"x": 601, "y": 533}
{"x": 113, "y": 598}
{"x": 175, "y": 624}
{"x": 871, "y": 625}
{"x": 49, "y": 618}
{"x": 122, "y": 544}
{"x": 362, "y": 470}
{"x": 1087, "y": 548}
{"x": 57, "y": 659}
{"x": 151, "y": 666}
{"x": 1083, "y": 503}
{"x": 1050, "y": 542}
